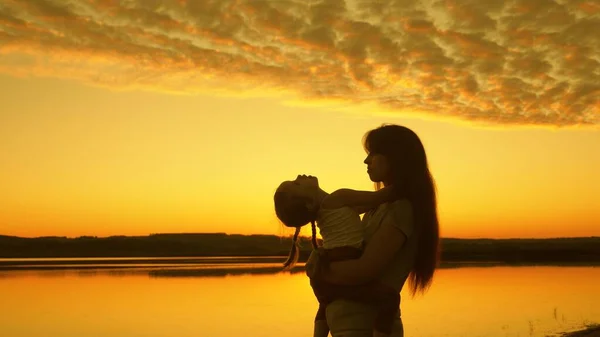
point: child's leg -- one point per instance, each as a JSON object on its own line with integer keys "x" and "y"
{"x": 321, "y": 328}
{"x": 320, "y": 316}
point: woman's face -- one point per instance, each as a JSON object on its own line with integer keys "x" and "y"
{"x": 378, "y": 168}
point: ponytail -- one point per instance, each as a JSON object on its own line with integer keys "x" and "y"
{"x": 294, "y": 252}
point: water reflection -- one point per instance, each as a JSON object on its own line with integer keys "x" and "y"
{"x": 178, "y": 266}
{"x": 256, "y": 299}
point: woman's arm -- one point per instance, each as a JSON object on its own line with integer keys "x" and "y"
{"x": 358, "y": 199}
{"x": 379, "y": 252}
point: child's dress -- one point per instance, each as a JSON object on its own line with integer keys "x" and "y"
{"x": 340, "y": 227}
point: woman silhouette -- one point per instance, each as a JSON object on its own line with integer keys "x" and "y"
{"x": 402, "y": 236}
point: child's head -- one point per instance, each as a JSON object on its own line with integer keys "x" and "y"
{"x": 296, "y": 205}
{"x": 295, "y": 201}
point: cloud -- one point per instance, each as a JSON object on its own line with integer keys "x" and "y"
{"x": 518, "y": 62}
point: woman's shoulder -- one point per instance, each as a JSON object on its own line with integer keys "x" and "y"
{"x": 400, "y": 214}
{"x": 400, "y": 205}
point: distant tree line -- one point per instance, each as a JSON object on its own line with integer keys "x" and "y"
{"x": 220, "y": 244}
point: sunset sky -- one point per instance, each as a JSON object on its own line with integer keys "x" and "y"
{"x": 138, "y": 117}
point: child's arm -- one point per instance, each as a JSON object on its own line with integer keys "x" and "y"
{"x": 358, "y": 199}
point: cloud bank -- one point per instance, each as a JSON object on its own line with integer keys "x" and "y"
{"x": 495, "y": 61}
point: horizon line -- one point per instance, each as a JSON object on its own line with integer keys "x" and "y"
{"x": 281, "y": 236}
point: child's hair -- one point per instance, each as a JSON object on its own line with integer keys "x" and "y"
{"x": 293, "y": 212}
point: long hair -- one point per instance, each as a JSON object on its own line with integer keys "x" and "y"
{"x": 293, "y": 212}
{"x": 412, "y": 179}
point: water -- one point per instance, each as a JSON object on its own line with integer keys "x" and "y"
{"x": 247, "y": 297}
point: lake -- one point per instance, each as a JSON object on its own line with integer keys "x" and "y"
{"x": 248, "y": 297}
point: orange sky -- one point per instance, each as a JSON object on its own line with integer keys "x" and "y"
{"x": 185, "y": 117}
{"x": 79, "y": 160}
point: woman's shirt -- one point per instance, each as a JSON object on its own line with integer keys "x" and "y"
{"x": 340, "y": 227}
{"x": 356, "y": 319}
{"x": 400, "y": 215}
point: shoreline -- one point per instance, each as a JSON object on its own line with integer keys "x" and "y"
{"x": 204, "y": 267}
{"x": 590, "y": 331}
{"x": 20, "y": 263}
{"x": 511, "y": 251}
